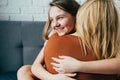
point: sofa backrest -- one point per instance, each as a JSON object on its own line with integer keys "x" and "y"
{"x": 20, "y": 43}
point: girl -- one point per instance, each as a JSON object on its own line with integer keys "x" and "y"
{"x": 61, "y": 18}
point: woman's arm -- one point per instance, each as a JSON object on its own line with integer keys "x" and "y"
{"x": 37, "y": 68}
{"x": 105, "y": 66}
{"x": 40, "y": 72}
{"x": 69, "y": 64}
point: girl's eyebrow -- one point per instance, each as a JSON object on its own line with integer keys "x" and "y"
{"x": 62, "y": 15}
{"x": 59, "y": 15}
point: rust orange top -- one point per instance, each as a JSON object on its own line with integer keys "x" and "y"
{"x": 69, "y": 45}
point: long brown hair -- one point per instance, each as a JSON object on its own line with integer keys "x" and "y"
{"x": 97, "y": 24}
{"x": 70, "y": 6}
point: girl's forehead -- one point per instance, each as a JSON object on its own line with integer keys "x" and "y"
{"x": 55, "y": 11}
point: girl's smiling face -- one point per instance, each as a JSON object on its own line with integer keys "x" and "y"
{"x": 62, "y": 22}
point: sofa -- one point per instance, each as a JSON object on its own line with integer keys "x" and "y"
{"x": 20, "y": 43}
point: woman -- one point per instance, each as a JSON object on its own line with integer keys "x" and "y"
{"x": 98, "y": 26}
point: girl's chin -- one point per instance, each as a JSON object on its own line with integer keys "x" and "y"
{"x": 61, "y": 34}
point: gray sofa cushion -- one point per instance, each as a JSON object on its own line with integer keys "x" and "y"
{"x": 32, "y": 40}
{"x": 10, "y": 46}
{"x": 20, "y": 42}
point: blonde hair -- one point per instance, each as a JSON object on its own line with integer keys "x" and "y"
{"x": 97, "y": 25}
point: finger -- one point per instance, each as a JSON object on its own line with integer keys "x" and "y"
{"x": 56, "y": 59}
{"x": 59, "y": 70}
{"x": 71, "y": 74}
{"x": 63, "y": 57}
{"x": 55, "y": 64}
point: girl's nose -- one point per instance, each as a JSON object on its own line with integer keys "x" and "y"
{"x": 56, "y": 24}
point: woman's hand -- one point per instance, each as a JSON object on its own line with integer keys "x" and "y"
{"x": 66, "y": 64}
{"x": 63, "y": 76}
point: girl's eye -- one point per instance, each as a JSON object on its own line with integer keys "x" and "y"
{"x": 60, "y": 18}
